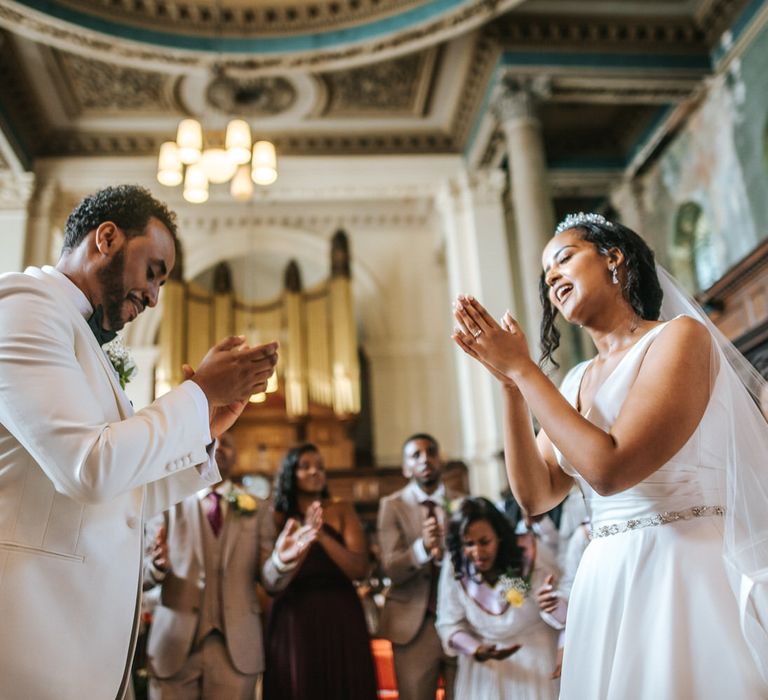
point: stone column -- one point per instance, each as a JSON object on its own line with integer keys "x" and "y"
{"x": 477, "y": 258}
{"x": 43, "y": 207}
{"x": 515, "y": 106}
{"x": 15, "y": 192}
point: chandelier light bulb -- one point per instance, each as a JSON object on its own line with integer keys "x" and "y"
{"x": 195, "y": 185}
{"x": 169, "y": 166}
{"x": 189, "y": 138}
{"x": 242, "y": 185}
{"x": 238, "y": 141}
{"x": 264, "y": 164}
{"x": 217, "y": 165}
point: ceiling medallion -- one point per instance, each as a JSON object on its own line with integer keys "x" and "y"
{"x": 253, "y": 96}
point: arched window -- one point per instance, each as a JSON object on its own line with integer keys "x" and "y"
{"x": 693, "y": 255}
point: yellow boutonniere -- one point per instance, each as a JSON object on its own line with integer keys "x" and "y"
{"x": 242, "y": 503}
{"x": 513, "y": 589}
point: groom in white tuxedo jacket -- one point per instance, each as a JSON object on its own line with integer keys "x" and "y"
{"x": 79, "y": 471}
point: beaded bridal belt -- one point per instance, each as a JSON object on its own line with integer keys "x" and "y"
{"x": 656, "y": 519}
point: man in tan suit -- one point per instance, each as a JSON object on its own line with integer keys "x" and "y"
{"x": 209, "y": 552}
{"x": 411, "y": 535}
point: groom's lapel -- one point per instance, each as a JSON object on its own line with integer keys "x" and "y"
{"x": 123, "y": 402}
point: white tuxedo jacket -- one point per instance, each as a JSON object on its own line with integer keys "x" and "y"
{"x": 79, "y": 473}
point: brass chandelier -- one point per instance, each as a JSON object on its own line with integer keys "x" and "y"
{"x": 240, "y": 162}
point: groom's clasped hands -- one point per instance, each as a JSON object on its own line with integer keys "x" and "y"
{"x": 229, "y": 374}
{"x": 500, "y": 347}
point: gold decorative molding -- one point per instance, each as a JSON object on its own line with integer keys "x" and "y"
{"x": 106, "y": 88}
{"x": 397, "y": 87}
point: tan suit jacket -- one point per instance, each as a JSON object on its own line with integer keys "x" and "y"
{"x": 78, "y": 475}
{"x": 401, "y": 518}
{"x": 247, "y": 542}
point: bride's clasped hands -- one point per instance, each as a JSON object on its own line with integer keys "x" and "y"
{"x": 501, "y": 348}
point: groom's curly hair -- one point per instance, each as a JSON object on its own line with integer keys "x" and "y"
{"x": 129, "y": 206}
{"x": 640, "y": 284}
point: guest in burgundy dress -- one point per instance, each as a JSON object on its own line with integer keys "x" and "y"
{"x": 318, "y": 646}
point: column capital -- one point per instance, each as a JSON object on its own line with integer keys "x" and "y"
{"x": 15, "y": 190}
{"x": 517, "y": 98}
{"x": 487, "y": 185}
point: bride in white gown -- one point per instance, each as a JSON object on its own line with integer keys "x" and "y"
{"x": 669, "y": 602}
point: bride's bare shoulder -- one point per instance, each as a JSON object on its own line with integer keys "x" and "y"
{"x": 685, "y": 339}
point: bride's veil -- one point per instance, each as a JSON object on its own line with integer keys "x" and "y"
{"x": 744, "y": 490}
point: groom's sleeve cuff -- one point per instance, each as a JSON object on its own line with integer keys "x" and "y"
{"x": 199, "y": 399}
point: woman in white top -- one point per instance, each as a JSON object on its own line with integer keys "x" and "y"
{"x": 667, "y": 448}
{"x": 486, "y": 614}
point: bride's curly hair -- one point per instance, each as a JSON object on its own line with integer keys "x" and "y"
{"x": 640, "y": 283}
{"x": 509, "y": 557}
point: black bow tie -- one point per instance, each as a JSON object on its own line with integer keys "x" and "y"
{"x": 94, "y": 323}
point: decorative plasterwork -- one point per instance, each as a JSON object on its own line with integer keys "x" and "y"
{"x": 312, "y": 52}
{"x": 399, "y": 86}
{"x": 106, "y": 88}
{"x": 71, "y": 143}
{"x": 236, "y": 18}
{"x": 624, "y": 90}
{"x": 547, "y": 32}
{"x": 715, "y": 16}
{"x": 484, "y": 57}
{"x": 250, "y": 97}
{"x": 517, "y": 98}
{"x": 19, "y": 104}
{"x": 15, "y": 190}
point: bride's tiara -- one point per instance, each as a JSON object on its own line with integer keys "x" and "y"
{"x": 574, "y": 220}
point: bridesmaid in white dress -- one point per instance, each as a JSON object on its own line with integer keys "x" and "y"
{"x": 646, "y": 432}
{"x": 504, "y": 649}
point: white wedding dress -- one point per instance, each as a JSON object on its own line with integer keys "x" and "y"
{"x": 651, "y": 614}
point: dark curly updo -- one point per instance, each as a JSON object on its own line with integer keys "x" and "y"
{"x": 639, "y": 283}
{"x": 286, "y": 497}
{"x": 509, "y": 557}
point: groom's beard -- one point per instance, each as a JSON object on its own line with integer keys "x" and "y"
{"x": 113, "y": 291}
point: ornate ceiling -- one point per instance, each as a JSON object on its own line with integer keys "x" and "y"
{"x": 103, "y": 77}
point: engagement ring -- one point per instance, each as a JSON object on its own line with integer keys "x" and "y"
{"x": 477, "y": 332}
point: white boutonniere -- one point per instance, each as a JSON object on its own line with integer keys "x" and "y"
{"x": 242, "y": 503}
{"x": 450, "y": 506}
{"x": 121, "y": 360}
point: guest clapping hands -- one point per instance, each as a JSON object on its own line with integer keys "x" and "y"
{"x": 318, "y": 645}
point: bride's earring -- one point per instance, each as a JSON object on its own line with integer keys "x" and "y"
{"x": 614, "y": 276}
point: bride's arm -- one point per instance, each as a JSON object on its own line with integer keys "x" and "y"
{"x": 537, "y": 481}
{"x": 661, "y": 411}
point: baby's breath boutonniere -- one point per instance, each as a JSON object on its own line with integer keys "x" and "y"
{"x": 513, "y": 589}
{"x": 450, "y": 506}
{"x": 242, "y": 503}
{"x": 121, "y": 360}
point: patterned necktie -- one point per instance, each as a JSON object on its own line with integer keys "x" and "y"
{"x": 214, "y": 514}
{"x": 434, "y": 570}
{"x": 94, "y": 323}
